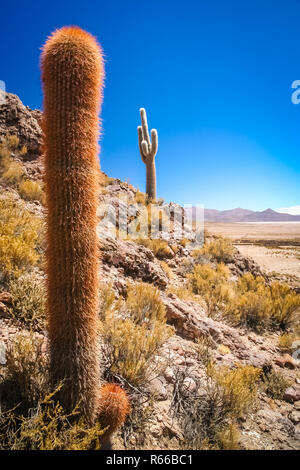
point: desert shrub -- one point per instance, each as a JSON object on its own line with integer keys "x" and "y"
{"x": 286, "y": 341}
{"x": 133, "y": 332}
{"x": 212, "y": 285}
{"x": 12, "y": 141}
{"x": 25, "y": 369}
{"x": 229, "y": 438}
{"x": 142, "y": 408}
{"x": 105, "y": 180}
{"x": 252, "y": 310}
{"x": 249, "y": 283}
{"x": 141, "y": 198}
{"x": 28, "y": 292}
{"x": 203, "y": 349}
{"x": 239, "y": 387}
{"x": 207, "y": 414}
{"x": 260, "y": 306}
{"x": 167, "y": 270}
{"x": 273, "y": 383}
{"x": 285, "y": 309}
{"x": 160, "y": 248}
{"x": 20, "y": 233}
{"x": 31, "y": 190}
{"x": 47, "y": 427}
{"x": 13, "y": 173}
{"x": 23, "y": 150}
{"x": 220, "y": 250}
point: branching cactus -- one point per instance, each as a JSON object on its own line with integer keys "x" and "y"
{"x": 72, "y": 72}
{"x": 148, "y": 150}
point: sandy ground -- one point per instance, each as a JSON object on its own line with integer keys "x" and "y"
{"x": 282, "y": 259}
{"x": 256, "y": 231}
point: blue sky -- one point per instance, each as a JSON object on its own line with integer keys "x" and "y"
{"x": 214, "y": 76}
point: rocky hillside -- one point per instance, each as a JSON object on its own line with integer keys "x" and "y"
{"x": 223, "y": 376}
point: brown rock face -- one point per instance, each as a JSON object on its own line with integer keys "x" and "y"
{"x": 20, "y": 120}
{"x": 135, "y": 260}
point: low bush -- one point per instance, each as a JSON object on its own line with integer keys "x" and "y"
{"x": 220, "y": 250}
{"x": 273, "y": 383}
{"x": 286, "y": 341}
{"x": 20, "y": 236}
{"x": 212, "y": 285}
{"x": 28, "y": 292}
{"x": 31, "y": 190}
{"x": 207, "y": 415}
{"x": 259, "y": 306}
{"x": 25, "y": 370}
{"x": 47, "y": 427}
{"x": 133, "y": 332}
{"x": 160, "y": 248}
{"x": 239, "y": 387}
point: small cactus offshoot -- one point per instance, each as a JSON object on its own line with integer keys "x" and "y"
{"x": 114, "y": 406}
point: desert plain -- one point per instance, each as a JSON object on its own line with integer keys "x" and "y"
{"x": 275, "y": 246}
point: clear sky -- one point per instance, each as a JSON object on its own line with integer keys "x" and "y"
{"x": 214, "y": 76}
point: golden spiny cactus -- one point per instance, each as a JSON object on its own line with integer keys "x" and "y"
{"x": 72, "y": 72}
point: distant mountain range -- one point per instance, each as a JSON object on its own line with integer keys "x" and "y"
{"x": 245, "y": 215}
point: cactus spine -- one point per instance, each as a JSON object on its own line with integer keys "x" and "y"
{"x": 72, "y": 73}
{"x": 148, "y": 150}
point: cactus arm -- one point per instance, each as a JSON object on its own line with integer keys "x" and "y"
{"x": 154, "y": 143}
{"x": 141, "y": 138}
{"x": 145, "y": 125}
{"x": 145, "y": 149}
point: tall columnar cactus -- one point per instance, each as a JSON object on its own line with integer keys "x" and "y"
{"x": 148, "y": 150}
{"x": 72, "y": 72}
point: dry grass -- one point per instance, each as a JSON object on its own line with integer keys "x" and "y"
{"x": 20, "y": 235}
{"x": 273, "y": 383}
{"x": 13, "y": 173}
{"x": 25, "y": 370}
{"x": 31, "y": 190}
{"x": 212, "y": 285}
{"x": 167, "y": 270}
{"x": 260, "y": 306}
{"x": 30, "y": 416}
{"x": 28, "y": 292}
{"x": 208, "y": 414}
{"x": 160, "y": 248}
{"x": 133, "y": 331}
{"x": 220, "y": 250}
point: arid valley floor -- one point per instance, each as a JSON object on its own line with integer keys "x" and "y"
{"x": 275, "y": 246}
